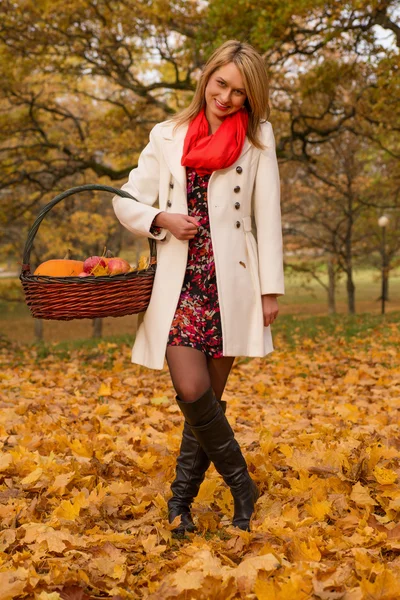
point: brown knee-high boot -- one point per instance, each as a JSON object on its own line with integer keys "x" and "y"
{"x": 211, "y": 428}
{"x": 191, "y": 466}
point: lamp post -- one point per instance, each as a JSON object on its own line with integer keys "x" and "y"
{"x": 383, "y": 222}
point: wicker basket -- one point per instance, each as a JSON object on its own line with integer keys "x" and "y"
{"x": 66, "y": 298}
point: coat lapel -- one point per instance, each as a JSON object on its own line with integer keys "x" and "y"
{"x": 173, "y": 150}
{"x": 246, "y": 147}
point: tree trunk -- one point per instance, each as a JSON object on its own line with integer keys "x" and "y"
{"x": 97, "y": 328}
{"x": 331, "y": 287}
{"x": 38, "y": 330}
{"x": 351, "y": 292}
{"x": 351, "y": 288}
{"x": 386, "y": 285}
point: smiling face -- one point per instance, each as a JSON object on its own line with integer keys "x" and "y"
{"x": 225, "y": 94}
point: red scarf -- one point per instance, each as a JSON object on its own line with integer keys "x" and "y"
{"x": 207, "y": 153}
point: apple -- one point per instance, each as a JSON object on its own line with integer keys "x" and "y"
{"x": 92, "y": 262}
{"x": 117, "y": 266}
{"x": 84, "y": 274}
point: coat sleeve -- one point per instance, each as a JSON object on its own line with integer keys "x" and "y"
{"x": 267, "y": 214}
{"x": 143, "y": 184}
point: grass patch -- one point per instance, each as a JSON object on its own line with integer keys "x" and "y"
{"x": 303, "y": 312}
{"x": 291, "y": 330}
{"x": 294, "y": 328}
{"x": 102, "y": 353}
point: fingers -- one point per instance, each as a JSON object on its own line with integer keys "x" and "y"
{"x": 270, "y": 318}
{"x": 193, "y": 220}
{"x": 187, "y": 234}
{"x": 187, "y": 227}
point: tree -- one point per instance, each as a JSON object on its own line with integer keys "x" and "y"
{"x": 338, "y": 156}
{"x": 82, "y": 83}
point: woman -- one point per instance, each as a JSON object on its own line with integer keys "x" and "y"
{"x": 214, "y": 172}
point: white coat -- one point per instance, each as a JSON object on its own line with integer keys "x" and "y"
{"x": 245, "y": 194}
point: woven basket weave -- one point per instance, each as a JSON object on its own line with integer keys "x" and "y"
{"x": 66, "y": 298}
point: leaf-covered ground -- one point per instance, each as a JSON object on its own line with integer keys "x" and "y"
{"x": 88, "y": 447}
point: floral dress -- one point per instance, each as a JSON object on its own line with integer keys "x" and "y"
{"x": 197, "y": 320}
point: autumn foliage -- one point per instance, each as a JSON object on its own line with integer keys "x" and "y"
{"x": 89, "y": 443}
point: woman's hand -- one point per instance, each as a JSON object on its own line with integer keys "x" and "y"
{"x": 270, "y": 308}
{"x": 181, "y": 226}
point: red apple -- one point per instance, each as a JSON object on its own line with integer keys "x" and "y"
{"x": 92, "y": 262}
{"x": 117, "y": 265}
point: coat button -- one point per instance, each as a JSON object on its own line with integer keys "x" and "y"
{"x": 171, "y": 185}
{"x": 236, "y": 189}
{"x": 237, "y": 205}
{"x": 237, "y": 224}
{"x": 239, "y": 170}
{"x": 169, "y": 203}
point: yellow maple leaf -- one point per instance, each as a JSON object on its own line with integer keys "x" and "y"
{"x": 118, "y": 572}
{"x": 159, "y": 400}
{"x": 307, "y": 550}
{"x": 83, "y": 576}
{"x": 319, "y": 508}
{"x": 102, "y": 409}
{"x": 12, "y": 583}
{"x": 149, "y": 542}
{"x": 5, "y": 461}
{"x": 60, "y": 482}
{"x": 300, "y": 461}
{"x": 7, "y": 537}
{"x": 100, "y": 271}
{"x": 80, "y": 449}
{"x": 360, "y": 495}
{"x": 32, "y": 477}
{"x": 267, "y": 442}
{"x": 297, "y": 588}
{"x": 185, "y": 580}
{"x": 395, "y": 501}
{"x": 349, "y": 412}
{"x": 352, "y": 376}
{"x": 385, "y": 476}
{"x": 260, "y": 388}
{"x": 108, "y": 561}
{"x": 54, "y": 539}
{"x": 249, "y": 567}
{"x": 104, "y": 389}
{"x": 302, "y": 484}
{"x": 225, "y": 501}
{"x": 364, "y": 563}
{"x": 385, "y": 587}
{"x": 207, "y": 490}
{"x": 286, "y": 450}
{"x": 146, "y": 462}
{"x": 265, "y": 590}
{"x": 70, "y": 510}
{"x": 143, "y": 263}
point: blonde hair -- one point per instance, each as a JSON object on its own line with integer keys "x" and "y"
{"x": 254, "y": 72}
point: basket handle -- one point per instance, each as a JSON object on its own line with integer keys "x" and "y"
{"x": 80, "y": 188}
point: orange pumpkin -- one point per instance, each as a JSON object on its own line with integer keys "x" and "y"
{"x": 60, "y": 267}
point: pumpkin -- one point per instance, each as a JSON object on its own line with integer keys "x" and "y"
{"x": 60, "y": 267}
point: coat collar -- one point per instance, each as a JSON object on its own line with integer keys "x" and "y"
{"x": 173, "y": 150}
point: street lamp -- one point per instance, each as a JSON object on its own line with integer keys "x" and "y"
{"x": 383, "y": 222}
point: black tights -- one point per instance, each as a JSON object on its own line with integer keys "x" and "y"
{"x": 192, "y": 372}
